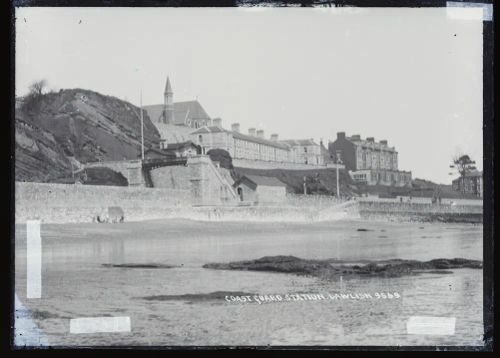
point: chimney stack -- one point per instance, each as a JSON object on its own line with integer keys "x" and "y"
{"x": 217, "y": 122}
{"x": 340, "y": 135}
{"x": 370, "y": 139}
{"x": 274, "y": 137}
{"x": 384, "y": 142}
{"x": 235, "y": 127}
{"x": 356, "y": 137}
{"x": 251, "y": 131}
{"x": 260, "y": 133}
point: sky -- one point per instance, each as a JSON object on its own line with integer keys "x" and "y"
{"x": 412, "y": 76}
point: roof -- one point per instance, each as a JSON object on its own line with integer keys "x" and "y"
{"x": 304, "y": 142}
{"x": 182, "y": 111}
{"x": 259, "y": 180}
{"x": 172, "y": 133}
{"x": 174, "y": 146}
{"x": 373, "y": 145}
{"x": 264, "y": 141}
{"x": 248, "y": 138}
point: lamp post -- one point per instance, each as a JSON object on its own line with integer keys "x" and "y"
{"x": 339, "y": 161}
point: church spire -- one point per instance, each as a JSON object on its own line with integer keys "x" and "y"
{"x": 168, "y": 104}
{"x": 168, "y": 87}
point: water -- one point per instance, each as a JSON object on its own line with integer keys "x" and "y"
{"x": 75, "y": 284}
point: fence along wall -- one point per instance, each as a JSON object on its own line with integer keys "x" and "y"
{"x": 62, "y": 203}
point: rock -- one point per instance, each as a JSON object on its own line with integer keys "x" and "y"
{"x": 333, "y": 268}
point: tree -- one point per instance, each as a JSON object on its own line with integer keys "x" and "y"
{"x": 222, "y": 156}
{"x": 32, "y": 100}
{"x": 463, "y": 165}
{"x": 37, "y": 88}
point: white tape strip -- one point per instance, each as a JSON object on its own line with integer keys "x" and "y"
{"x": 99, "y": 324}
{"x": 431, "y": 325}
{"x": 33, "y": 259}
{"x": 469, "y": 11}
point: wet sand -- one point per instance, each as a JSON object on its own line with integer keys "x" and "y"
{"x": 81, "y": 279}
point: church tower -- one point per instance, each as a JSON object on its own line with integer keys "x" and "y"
{"x": 168, "y": 104}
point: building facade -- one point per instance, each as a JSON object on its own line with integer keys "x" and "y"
{"x": 258, "y": 189}
{"x": 368, "y": 161}
{"x": 241, "y": 146}
{"x": 470, "y": 183}
{"x": 305, "y": 151}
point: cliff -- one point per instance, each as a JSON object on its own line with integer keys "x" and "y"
{"x": 56, "y": 132}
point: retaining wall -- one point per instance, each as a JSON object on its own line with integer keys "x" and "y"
{"x": 260, "y": 164}
{"x": 421, "y": 211}
{"x": 62, "y": 203}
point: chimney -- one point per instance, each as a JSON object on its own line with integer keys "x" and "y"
{"x": 251, "y": 131}
{"x": 384, "y": 142}
{"x": 370, "y": 139}
{"x": 356, "y": 137}
{"x": 340, "y": 135}
{"x": 274, "y": 137}
{"x": 235, "y": 127}
{"x": 217, "y": 122}
{"x": 260, "y": 133}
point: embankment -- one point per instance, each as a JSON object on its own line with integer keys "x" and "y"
{"x": 417, "y": 211}
{"x": 69, "y": 203}
{"x": 66, "y": 203}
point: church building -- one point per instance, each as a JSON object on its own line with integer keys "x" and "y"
{"x": 176, "y": 120}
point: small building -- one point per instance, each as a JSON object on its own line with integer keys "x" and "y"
{"x": 183, "y": 149}
{"x": 470, "y": 183}
{"x": 260, "y": 189}
{"x": 154, "y": 153}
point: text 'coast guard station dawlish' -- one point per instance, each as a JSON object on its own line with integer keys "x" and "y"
{"x": 185, "y": 124}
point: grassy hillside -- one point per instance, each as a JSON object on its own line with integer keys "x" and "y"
{"x": 319, "y": 181}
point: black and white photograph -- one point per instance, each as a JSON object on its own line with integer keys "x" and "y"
{"x": 266, "y": 175}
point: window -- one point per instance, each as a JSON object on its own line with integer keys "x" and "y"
{"x": 200, "y": 138}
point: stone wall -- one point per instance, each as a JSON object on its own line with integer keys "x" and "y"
{"x": 62, "y": 203}
{"x": 172, "y": 177}
{"x": 260, "y": 164}
{"x": 130, "y": 169}
{"x": 208, "y": 185}
{"x": 421, "y": 211}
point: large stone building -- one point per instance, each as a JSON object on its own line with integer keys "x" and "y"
{"x": 253, "y": 146}
{"x": 188, "y": 121}
{"x": 369, "y": 162}
{"x": 305, "y": 151}
{"x": 470, "y": 183}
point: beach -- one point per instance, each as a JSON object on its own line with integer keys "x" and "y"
{"x": 182, "y": 303}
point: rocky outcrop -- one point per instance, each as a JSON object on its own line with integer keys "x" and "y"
{"x": 58, "y": 131}
{"x": 334, "y": 268}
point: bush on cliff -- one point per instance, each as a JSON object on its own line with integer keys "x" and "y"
{"x": 222, "y": 156}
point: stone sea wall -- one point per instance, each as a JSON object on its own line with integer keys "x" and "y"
{"x": 417, "y": 211}
{"x": 62, "y": 203}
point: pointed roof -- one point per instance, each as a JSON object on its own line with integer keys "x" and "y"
{"x": 182, "y": 111}
{"x": 255, "y": 180}
{"x": 168, "y": 87}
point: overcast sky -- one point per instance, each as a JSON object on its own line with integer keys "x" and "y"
{"x": 411, "y": 76}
